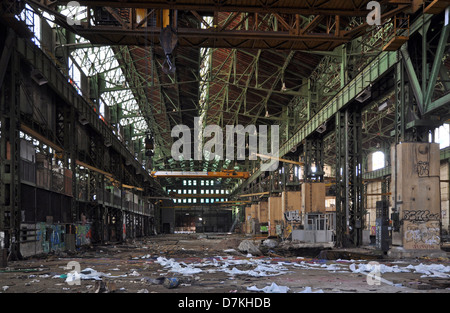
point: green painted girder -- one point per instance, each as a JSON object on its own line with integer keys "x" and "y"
{"x": 380, "y": 66}
{"x": 443, "y": 41}
{"x": 374, "y": 71}
{"x": 439, "y": 104}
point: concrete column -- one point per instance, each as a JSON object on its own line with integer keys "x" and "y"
{"x": 416, "y": 199}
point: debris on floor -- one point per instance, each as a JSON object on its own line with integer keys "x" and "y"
{"x": 181, "y": 263}
{"x": 273, "y": 288}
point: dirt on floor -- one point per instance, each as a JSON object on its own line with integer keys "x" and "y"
{"x": 214, "y": 263}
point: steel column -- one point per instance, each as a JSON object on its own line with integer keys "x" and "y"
{"x": 349, "y": 185}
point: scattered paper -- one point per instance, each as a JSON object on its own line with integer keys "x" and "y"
{"x": 273, "y": 288}
{"x": 309, "y": 290}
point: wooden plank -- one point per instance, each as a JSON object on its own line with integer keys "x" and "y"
{"x": 41, "y": 138}
{"x": 313, "y": 198}
{"x": 275, "y": 214}
{"x": 436, "y": 7}
{"x": 264, "y": 212}
{"x": 395, "y": 43}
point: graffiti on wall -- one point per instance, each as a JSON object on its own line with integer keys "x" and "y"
{"x": 422, "y": 235}
{"x": 83, "y": 234}
{"x": 292, "y": 216}
{"x": 50, "y": 236}
{"x": 419, "y": 216}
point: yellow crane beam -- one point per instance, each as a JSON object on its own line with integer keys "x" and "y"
{"x": 181, "y": 174}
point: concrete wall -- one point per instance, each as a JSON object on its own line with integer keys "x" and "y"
{"x": 375, "y": 188}
{"x": 445, "y": 211}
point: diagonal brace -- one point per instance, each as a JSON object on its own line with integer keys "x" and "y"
{"x": 438, "y": 58}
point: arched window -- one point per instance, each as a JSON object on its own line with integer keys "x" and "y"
{"x": 378, "y": 160}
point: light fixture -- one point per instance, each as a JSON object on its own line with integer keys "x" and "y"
{"x": 37, "y": 76}
{"x": 383, "y": 106}
{"x": 83, "y": 120}
{"x": 322, "y": 128}
{"x": 364, "y": 95}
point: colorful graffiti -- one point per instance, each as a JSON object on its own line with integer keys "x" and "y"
{"x": 83, "y": 234}
{"x": 52, "y": 237}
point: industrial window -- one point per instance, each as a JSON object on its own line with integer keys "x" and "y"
{"x": 202, "y": 200}
{"x": 442, "y": 136}
{"x": 378, "y": 160}
{"x": 184, "y": 182}
{"x": 194, "y": 182}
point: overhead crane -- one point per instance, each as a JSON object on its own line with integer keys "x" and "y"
{"x": 182, "y": 174}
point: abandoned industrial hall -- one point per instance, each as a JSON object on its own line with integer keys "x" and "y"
{"x": 224, "y": 147}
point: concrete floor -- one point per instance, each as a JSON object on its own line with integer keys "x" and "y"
{"x": 213, "y": 264}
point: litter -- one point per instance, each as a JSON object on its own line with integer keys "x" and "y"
{"x": 273, "y": 288}
{"x": 309, "y": 290}
{"x": 171, "y": 282}
{"x": 134, "y": 273}
{"x": 154, "y": 281}
{"x": 87, "y": 274}
{"x": 177, "y": 267}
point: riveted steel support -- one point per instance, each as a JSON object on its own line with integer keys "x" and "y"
{"x": 314, "y": 157}
{"x": 349, "y": 185}
{"x": 10, "y": 214}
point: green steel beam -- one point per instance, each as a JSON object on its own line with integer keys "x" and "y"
{"x": 439, "y": 104}
{"x": 379, "y": 67}
{"x": 374, "y": 71}
{"x": 415, "y": 85}
{"x": 443, "y": 41}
